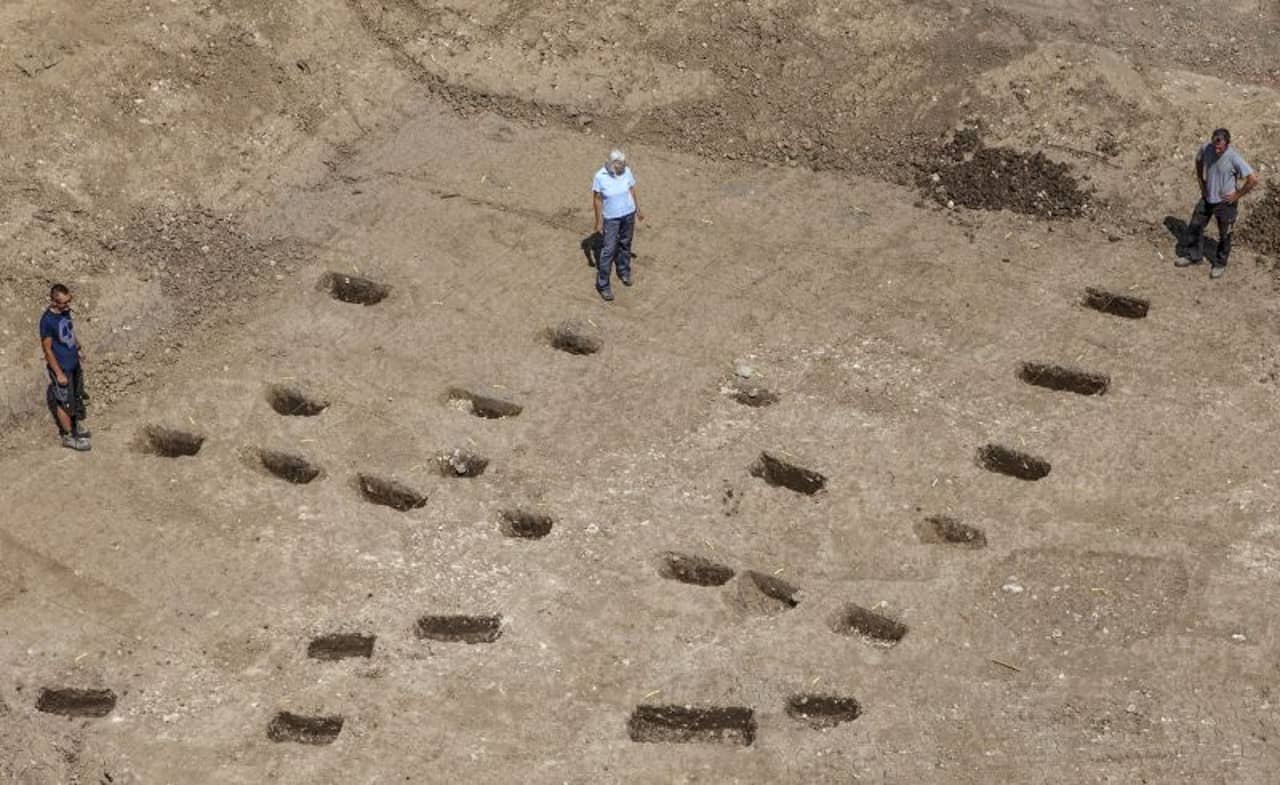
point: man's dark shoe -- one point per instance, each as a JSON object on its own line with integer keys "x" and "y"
{"x": 626, "y": 280}
{"x": 1217, "y": 271}
{"x": 606, "y": 295}
{"x": 1186, "y": 261}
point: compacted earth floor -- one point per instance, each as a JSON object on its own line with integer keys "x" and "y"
{"x": 909, "y": 457}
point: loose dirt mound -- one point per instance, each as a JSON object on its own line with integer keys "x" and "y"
{"x": 201, "y": 265}
{"x": 967, "y": 173}
{"x": 1260, "y": 230}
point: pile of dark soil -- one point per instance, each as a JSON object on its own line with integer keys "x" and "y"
{"x": 1260, "y": 229}
{"x": 967, "y": 173}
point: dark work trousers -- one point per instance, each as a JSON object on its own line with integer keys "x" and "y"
{"x": 1225, "y": 214}
{"x": 615, "y": 250}
{"x": 68, "y": 397}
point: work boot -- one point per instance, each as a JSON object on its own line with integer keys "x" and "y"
{"x": 1217, "y": 271}
{"x": 73, "y": 442}
{"x": 606, "y": 295}
{"x": 1186, "y": 261}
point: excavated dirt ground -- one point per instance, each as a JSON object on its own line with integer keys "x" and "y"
{"x": 382, "y": 492}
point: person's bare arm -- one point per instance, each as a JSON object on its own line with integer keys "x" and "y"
{"x": 1250, "y": 183}
{"x": 47, "y": 345}
{"x": 1200, "y": 179}
{"x": 635, "y": 197}
{"x": 597, "y": 204}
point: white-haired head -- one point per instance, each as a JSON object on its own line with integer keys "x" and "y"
{"x": 617, "y": 162}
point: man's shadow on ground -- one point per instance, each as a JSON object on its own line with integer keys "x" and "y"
{"x": 591, "y": 246}
{"x": 1178, "y": 228}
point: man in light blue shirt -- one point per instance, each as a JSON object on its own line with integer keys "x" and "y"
{"x": 613, "y": 198}
{"x": 1219, "y": 172}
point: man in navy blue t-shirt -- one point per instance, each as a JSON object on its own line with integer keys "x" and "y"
{"x": 62, "y": 357}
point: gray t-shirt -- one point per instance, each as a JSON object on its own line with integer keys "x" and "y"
{"x": 1221, "y": 172}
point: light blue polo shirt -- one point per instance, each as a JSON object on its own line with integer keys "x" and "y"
{"x": 1222, "y": 173}
{"x": 616, "y": 191}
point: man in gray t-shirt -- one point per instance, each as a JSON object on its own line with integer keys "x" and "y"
{"x": 1219, "y": 172}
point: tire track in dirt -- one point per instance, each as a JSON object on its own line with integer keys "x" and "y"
{"x": 31, "y": 570}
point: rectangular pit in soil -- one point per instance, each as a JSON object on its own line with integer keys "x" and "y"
{"x": 525, "y": 525}
{"x": 1056, "y": 377}
{"x": 460, "y": 629}
{"x": 1120, "y": 305}
{"x": 875, "y": 627}
{"x": 759, "y": 593}
{"x": 353, "y": 289}
{"x": 300, "y": 729}
{"x": 575, "y": 337}
{"x": 693, "y": 570}
{"x": 823, "y": 711}
{"x": 693, "y": 725}
{"x": 290, "y": 401}
{"x": 70, "y": 702}
{"x": 389, "y": 493}
{"x": 288, "y": 467}
{"x": 776, "y": 470}
{"x": 487, "y": 403}
{"x": 341, "y": 646}
{"x": 1012, "y": 463}
{"x": 170, "y": 443}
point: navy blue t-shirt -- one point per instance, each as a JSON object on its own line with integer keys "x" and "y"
{"x": 58, "y": 327}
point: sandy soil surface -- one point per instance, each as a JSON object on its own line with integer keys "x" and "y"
{"x": 910, "y": 457}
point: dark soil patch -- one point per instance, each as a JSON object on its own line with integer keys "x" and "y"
{"x": 693, "y": 569}
{"x": 341, "y": 646}
{"x": 1116, "y": 304}
{"x": 1260, "y": 229}
{"x": 353, "y": 289}
{"x": 1003, "y": 460}
{"x": 967, "y": 173}
{"x": 943, "y": 529}
{"x": 575, "y": 337}
{"x": 462, "y": 463}
{"x": 76, "y": 703}
{"x": 764, "y": 594}
{"x": 460, "y": 629}
{"x": 856, "y": 620}
{"x": 487, "y": 402}
{"x": 389, "y": 493}
{"x": 288, "y": 466}
{"x": 1055, "y": 377}
{"x": 304, "y": 730}
{"x": 776, "y": 470}
{"x": 823, "y": 711}
{"x": 169, "y": 443}
{"x": 525, "y": 525}
{"x": 755, "y": 397}
{"x": 292, "y": 402}
{"x": 688, "y": 724}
